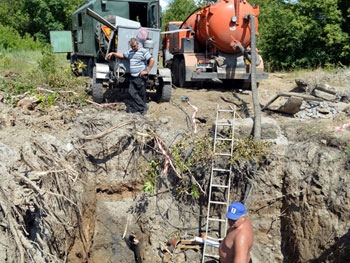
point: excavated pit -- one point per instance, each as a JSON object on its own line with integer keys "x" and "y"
{"x": 72, "y": 184}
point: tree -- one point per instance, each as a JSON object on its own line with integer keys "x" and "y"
{"x": 13, "y": 17}
{"x": 344, "y": 6}
{"x": 178, "y": 10}
{"x": 303, "y": 34}
{"x": 47, "y": 15}
{"x": 33, "y": 18}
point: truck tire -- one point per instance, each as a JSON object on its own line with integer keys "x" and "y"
{"x": 164, "y": 92}
{"x": 182, "y": 73}
{"x": 74, "y": 65}
{"x": 175, "y": 71}
{"x": 88, "y": 72}
{"x": 233, "y": 84}
{"x": 97, "y": 88}
{"x": 248, "y": 85}
{"x": 97, "y": 92}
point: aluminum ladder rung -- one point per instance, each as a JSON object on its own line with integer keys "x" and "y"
{"x": 221, "y": 110}
{"x": 224, "y": 139}
{"x": 218, "y": 202}
{"x": 211, "y": 256}
{"x": 220, "y": 185}
{"x": 221, "y": 170}
{"x": 223, "y": 124}
{"x": 216, "y": 219}
{"x": 223, "y": 154}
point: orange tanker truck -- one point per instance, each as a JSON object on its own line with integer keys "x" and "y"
{"x": 214, "y": 43}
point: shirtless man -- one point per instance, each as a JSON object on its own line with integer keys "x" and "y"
{"x": 235, "y": 248}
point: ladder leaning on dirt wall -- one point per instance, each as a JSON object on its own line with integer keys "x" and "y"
{"x": 220, "y": 182}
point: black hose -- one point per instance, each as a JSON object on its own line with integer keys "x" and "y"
{"x": 247, "y": 55}
{"x": 194, "y": 11}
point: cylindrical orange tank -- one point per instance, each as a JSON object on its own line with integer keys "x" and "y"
{"x": 224, "y": 24}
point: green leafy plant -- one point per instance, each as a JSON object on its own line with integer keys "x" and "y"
{"x": 249, "y": 149}
{"x": 177, "y": 151}
{"x": 78, "y": 67}
{"x": 48, "y": 100}
{"x": 151, "y": 175}
{"x": 194, "y": 191}
{"x": 12, "y": 40}
{"x": 188, "y": 156}
{"x": 5, "y": 61}
{"x": 148, "y": 187}
{"x": 188, "y": 153}
{"x": 47, "y": 64}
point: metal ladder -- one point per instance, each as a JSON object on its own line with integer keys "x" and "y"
{"x": 220, "y": 181}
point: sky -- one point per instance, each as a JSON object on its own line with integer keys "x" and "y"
{"x": 164, "y": 4}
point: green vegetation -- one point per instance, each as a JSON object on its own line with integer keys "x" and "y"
{"x": 192, "y": 156}
{"x": 42, "y": 74}
{"x": 10, "y": 39}
{"x": 191, "y": 152}
{"x": 150, "y": 174}
{"x": 188, "y": 156}
{"x": 292, "y": 34}
{"x": 304, "y": 34}
{"x": 249, "y": 149}
{"x": 37, "y": 17}
{"x": 179, "y": 10}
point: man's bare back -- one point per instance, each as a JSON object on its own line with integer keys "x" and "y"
{"x": 235, "y": 248}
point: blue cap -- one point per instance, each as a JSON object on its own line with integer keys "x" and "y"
{"x": 236, "y": 210}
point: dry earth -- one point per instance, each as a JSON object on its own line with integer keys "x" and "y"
{"x": 84, "y": 183}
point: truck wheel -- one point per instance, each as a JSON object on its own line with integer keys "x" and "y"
{"x": 89, "y": 68}
{"x": 74, "y": 65}
{"x": 97, "y": 92}
{"x": 164, "y": 93}
{"x": 182, "y": 73}
{"x": 175, "y": 71}
{"x": 97, "y": 88}
{"x": 248, "y": 85}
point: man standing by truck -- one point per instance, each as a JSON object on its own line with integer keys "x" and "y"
{"x": 141, "y": 63}
{"x": 235, "y": 248}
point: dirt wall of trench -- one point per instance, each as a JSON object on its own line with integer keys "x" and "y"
{"x": 298, "y": 202}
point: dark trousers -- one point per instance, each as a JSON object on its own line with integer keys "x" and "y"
{"x": 137, "y": 91}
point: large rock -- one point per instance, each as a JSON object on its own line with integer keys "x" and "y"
{"x": 270, "y": 129}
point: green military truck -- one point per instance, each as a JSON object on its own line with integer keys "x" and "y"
{"x": 102, "y": 26}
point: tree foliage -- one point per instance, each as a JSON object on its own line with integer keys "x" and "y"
{"x": 48, "y": 15}
{"x": 12, "y": 15}
{"x": 293, "y": 33}
{"x": 10, "y": 40}
{"x": 178, "y": 10}
{"x": 37, "y": 17}
{"x": 304, "y": 33}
